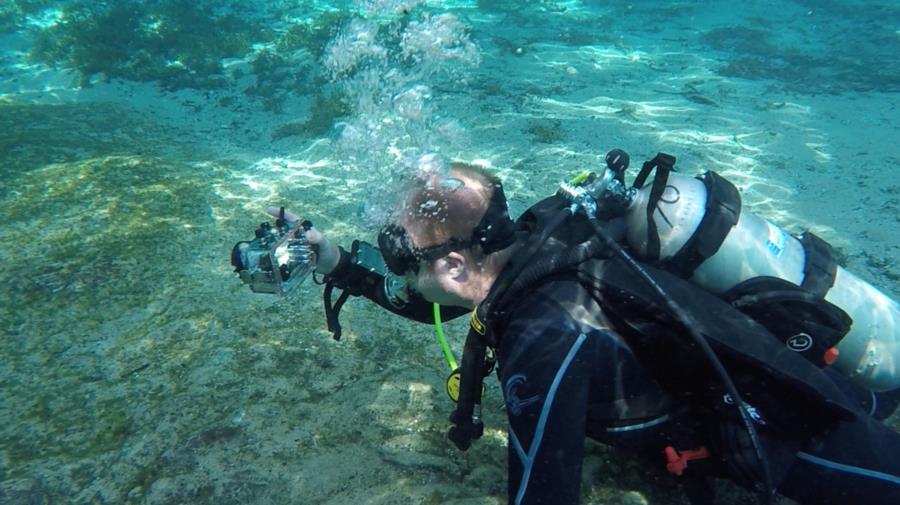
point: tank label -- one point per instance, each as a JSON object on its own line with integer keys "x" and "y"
{"x": 777, "y": 240}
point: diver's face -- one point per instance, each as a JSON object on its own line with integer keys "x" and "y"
{"x": 434, "y": 270}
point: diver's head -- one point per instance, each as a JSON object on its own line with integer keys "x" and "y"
{"x": 452, "y": 235}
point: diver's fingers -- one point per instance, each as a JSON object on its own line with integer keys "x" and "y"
{"x": 288, "y": 215}
{"x": 314, "y": 236}
{"x": 328, "y": 254}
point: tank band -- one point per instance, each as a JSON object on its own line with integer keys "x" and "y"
{"x": 723, "y": 208}
{"x": 820, "y": 268}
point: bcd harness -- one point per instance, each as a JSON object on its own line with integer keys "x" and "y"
{"x": 742, "y": 350}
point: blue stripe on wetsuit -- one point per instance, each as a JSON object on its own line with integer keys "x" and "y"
{"x": 848, "y": 468}
{"x": 528, "y": 459}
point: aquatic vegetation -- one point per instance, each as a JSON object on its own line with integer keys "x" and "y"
{"x": 546, "y": 131}
{"x": 272, "y": 72}
{"x": 325, "y": 110}
{"x": 12, "y": 12}
{"x": 9, "y": 16}
{"x": 819, "y": 62}
{"x": 177, "y": 42}
{"x": 312, "y": 35}
{"x": 289, "y": 67}
{"x": 628, "y": 110}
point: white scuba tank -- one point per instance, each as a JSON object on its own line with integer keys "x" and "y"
{"x": 870, "y": 352}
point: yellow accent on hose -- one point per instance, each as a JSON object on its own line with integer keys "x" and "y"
{"x": 578, "y": 179}
{"x": 476, "y": 324}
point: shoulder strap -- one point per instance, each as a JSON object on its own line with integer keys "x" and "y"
{"x": 663, "y": 164}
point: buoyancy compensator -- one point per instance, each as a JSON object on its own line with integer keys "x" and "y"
{"x": 696, "y": 228}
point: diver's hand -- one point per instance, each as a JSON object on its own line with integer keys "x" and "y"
{"x": 327, "y": 254}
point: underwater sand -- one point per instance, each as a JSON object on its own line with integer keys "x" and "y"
{"x": 135, "y": 368}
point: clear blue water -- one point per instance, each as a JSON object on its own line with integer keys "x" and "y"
{"x": 140, "y": 140}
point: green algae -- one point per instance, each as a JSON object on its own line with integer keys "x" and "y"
{"x": 313, "y": 34}
{"x": 546, "y": 131}
{"x": 136, "y": 200}
{"x": 177, "y": 42}
{"x": 12, "y": 12}
{"x": 812, "y": 64}
{"x": 326, "y": 109}
{"x": 78, "y": 281}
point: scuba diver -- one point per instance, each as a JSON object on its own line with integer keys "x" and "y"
{"x": 596, "y": 330}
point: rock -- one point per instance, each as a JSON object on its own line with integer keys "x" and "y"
{"x": 409, "y": 451}
{"x": 23, "y": 492}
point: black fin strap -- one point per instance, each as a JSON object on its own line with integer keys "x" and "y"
{"x": 820, "y": 268}
{"x": 723, "y": 209}
{"x": 332, "y": 312}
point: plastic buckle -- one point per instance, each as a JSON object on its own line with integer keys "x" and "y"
{"x": 830, "y": 356}
{"x": 676, "y": 462}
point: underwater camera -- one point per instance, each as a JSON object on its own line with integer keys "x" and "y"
{"x": 277, "y": 260}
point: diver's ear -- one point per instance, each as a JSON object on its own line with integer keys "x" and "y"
{"x": 455, "y": 265}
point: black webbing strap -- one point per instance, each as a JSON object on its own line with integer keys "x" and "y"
{"x": 723, "y": 208}
{"x": 466, "y": 418}
{"x": 664, "y": 164}
{"x": 820, "y": 268}
{"x": 332, "y": 312}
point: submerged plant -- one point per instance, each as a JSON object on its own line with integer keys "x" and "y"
{"x": 12, "y": 12}
{"x": 177, "y": 42}
{"x": 546, "y": 131}
{"x": 313, "y": 35}
{"x": 326, "y": 109}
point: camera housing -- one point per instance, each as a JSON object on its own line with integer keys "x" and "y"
{"x": 277, "y": 260}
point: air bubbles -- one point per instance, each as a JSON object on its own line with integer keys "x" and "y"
{"x": 354, "y": 44}
{"x": 436, "y": 39}
{"x": 388, "y": 62}
{"x": 429, "y": 164}
{"x": 376, "y": 7}
{"x": 410, "y": 104}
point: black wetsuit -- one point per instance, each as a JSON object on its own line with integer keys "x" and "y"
{"x": 567, "y": 375}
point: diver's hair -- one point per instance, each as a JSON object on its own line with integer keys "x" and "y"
{"x": 444, "y": 207}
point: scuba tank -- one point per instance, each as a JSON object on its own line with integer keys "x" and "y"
{"x": 695, "y": 228}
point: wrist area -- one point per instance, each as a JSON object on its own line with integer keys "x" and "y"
{"x": 357, "y": 270}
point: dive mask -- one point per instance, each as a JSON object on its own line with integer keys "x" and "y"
{"x": 494, "y": 232}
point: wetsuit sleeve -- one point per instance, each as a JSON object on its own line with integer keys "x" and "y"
{"x": 546, "y": 368}
{"x": 366, "y": 276}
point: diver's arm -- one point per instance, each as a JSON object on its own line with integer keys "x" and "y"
{"x": 361, "y": 272}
